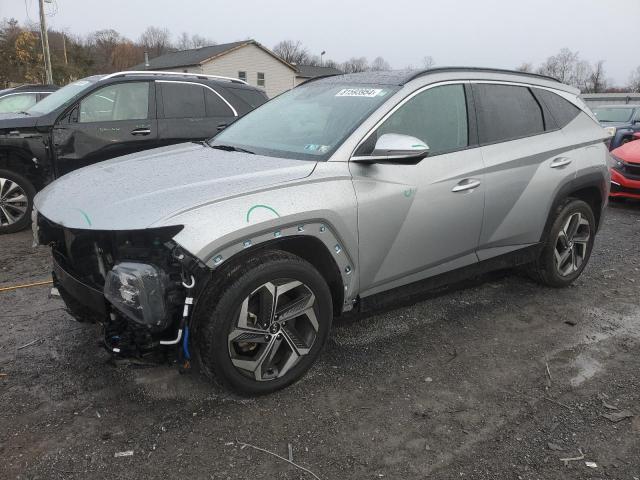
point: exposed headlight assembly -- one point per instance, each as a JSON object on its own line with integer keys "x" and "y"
{"x": 615, "y": 162}
{"x": 138, "y": 291}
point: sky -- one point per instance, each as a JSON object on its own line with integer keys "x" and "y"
{"x": 489, "y": 33}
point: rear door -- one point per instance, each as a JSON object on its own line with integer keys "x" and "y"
{"x": 527, "y": 158}
{"x": 190, "y": 111}
{"x": 111, "y": 121}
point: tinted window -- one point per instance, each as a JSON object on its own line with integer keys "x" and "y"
{"x": 183, "y": 100}
{"x": 215, "y": 105}
{"x": 561, "y": 110}
{"x": 506, "y": 112}
{"x": 17, "y": 102}
{"x": 254, "y": 98}
{"x": 120, "y": 101}
{"x": 437, "y": 116}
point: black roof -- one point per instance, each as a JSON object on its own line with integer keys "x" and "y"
{"x": 401, "y": 77}
{"x": 31, "y": 88}
{"x": 195, "y": 56}
{"x": 313, "y": 71}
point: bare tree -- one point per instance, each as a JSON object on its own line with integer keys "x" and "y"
{"x": 292, "y": 52}
{"x": 560, "y": 66}
{"x": 525, "y": 67}
{"x": 157, "y": 41}
{"x": 184, "y": 41}
{"x": 355, "y": 65}
{"x": 379, "y": 64}
{"x": 428, "y": 61}
{"x": 634, "y": 80}
{"x": 597, "y": 82}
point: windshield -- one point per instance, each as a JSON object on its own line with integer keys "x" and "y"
{"x": 62, "y": 96}
{"x": 613, "y": 114}
{"x": 306, "y": 123}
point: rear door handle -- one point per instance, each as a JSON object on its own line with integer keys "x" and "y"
{"x": 466, "y": 184}
{"x": 560, "y": 162}
{"x": 141, "y": 131}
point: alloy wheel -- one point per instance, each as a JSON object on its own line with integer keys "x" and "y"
{"x": 13, "y": 202}
{"x": 572, "y": 244}
{"x": 276, "y": 327}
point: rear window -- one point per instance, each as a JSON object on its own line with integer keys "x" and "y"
{"x": 254, "y": 98}
{"x": 615, "y": 115}
{"x": 183, "y": 100}
{"x": 506, "y": 112}
{"x": 562, "y": 111}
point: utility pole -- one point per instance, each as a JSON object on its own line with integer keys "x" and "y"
{"x": 45, "y": 44}
{"x": 64, "y": 48}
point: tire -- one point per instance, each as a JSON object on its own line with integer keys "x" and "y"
{"x": 229, "y": 351}
{"x": 15, "y": 215}
{"x": 549, "y": 269}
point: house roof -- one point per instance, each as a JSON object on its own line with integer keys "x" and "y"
{"x": 197, "y": 56}
{"x": 313, "y": 71}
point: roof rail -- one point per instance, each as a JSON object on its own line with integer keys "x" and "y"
{"x": 420, "y": 73}
{"x": 175, "y": 74}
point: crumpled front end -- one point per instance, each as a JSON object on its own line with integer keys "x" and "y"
{"x": 135, "y": 283}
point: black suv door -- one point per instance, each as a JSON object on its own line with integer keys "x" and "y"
{"x": 112, "y": 120}
{"x": 190, "y": 111}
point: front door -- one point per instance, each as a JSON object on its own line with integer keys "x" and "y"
{"x": 418, "y": 220}
{"x": 109, "y": 122}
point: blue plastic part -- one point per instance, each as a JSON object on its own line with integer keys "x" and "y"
{"x": 185, "y": 344}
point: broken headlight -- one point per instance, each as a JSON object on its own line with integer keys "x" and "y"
{"x": 138, "y": 291}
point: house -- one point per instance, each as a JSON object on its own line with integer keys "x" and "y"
{"x": 307, "y": 72}
{"x": 247, "y": 60}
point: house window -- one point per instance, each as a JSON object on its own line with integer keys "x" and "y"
{"x": 242, "y": 76}
{"x": 260, "y": 79}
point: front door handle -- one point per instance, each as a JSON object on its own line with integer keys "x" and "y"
{"x": 141, "y": 131}
{"x": 560, "y": 162}
{"x": 466, "y": 184}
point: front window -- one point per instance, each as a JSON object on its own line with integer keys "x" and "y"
{"x": 308, "y": 122}
{"x": 120, "y": 101}
{"x": 604, "y": 114}
{"x": 62, "y": 96}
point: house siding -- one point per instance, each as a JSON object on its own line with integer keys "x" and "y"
{"x": 251, "y": 59}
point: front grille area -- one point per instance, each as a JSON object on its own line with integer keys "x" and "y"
{"x": 629, "y": 170}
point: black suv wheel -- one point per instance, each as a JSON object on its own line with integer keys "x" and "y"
{"x": 16, "y": 202}
{"x": 265, "y": 327}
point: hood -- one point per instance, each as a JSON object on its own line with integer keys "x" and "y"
{"x": 148, "y": 189}
{"x": 11, "y": 121}
{"x": 629, "y": 152}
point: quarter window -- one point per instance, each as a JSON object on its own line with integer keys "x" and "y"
{"x": 183, "y": 100}
{"x": 561, "y": 110}
{"x": 506, "y": 112}
{"x": 261, "y": 81}
{"x": 120, "y": 101}
{"x": 216, "y": 107}
{"x": 437, "y": 116}
{"x": 242, "y": 76}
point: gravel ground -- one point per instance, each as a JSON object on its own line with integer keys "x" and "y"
{"x": 498, "y": 380}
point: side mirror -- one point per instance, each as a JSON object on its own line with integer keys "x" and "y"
{"x": 394, "y": 147}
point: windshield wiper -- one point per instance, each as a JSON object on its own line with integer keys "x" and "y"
{"x": 25, "y": 113}
{"x": 232, "y": 148}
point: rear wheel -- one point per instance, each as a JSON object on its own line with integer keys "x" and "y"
{"x": 266, "y": 326}
{"x": 16, "y": 202}
{"x": 568, "y": 247}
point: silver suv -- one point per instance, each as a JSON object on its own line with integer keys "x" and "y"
{"x": 348, "y": 192}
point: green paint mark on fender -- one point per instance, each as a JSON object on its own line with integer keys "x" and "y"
{"x": 409, "y": 192}
{"x": 266, "y": 207}
{"x": 85, "y": 215}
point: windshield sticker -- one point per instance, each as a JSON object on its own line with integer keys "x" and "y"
{"x": 359, "y": 92}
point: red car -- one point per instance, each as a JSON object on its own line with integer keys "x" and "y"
{"x": 625, "y": 170}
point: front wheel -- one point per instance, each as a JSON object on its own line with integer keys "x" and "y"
{"x": 265, "y": 326}
{"x": 16, "y": 202}
{"x": 568, "y": 247}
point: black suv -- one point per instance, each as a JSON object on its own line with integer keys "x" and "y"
{"x": 105, "y": 116}
{"x": 21, "y": 98}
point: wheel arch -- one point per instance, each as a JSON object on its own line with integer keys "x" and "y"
{"x": 20, "y": 161}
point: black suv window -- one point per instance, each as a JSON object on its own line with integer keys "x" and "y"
{"x": 561, "y": 110}
{"x": 120, "y": 101}
{"x": 216, "y": 107}
{"x": 183, "y": 100}
{"x": 437, "y": 116}
{"x": 506, "y": 112}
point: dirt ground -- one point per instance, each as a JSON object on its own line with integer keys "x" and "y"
{"x": 456, "y": 386}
